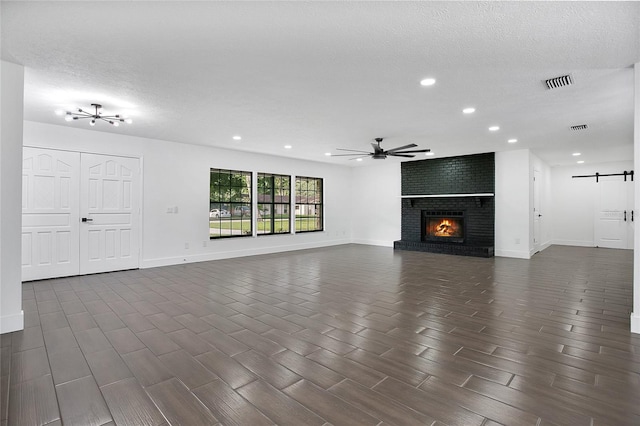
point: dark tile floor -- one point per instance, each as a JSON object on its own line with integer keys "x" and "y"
{"x": 349, "y": 335}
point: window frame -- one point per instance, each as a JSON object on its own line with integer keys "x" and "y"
{"x": 273, "y": 205}
{"x": 234, "y": 198}
{"x": 318, "y": 204}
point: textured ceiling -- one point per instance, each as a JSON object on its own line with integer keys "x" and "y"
{"x": 322, "y": 75}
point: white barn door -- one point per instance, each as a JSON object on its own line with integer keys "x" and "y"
{"x": 109, "y": 212}
{"x": 613, "y": 217}
{"x": 50, "y": 215}
{"x": 80, "y": 213}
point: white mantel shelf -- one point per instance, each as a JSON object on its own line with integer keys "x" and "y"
{"x": 483, "y": 194}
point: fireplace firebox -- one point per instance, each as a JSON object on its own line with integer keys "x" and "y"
{"x": 443, "y": 226}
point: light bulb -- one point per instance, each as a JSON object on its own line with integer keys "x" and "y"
{"x": 115, "y": 123}
{"x": 128, "y": 120}
{"x": 92, "y": 123}
{"x": 68, "y": 117}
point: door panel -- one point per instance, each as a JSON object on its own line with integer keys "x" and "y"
{"x": 110, "y": 205}
{"x": 612, "y": 218}
{"x": 50, "y": 194}
{"x": 537, "y": 215}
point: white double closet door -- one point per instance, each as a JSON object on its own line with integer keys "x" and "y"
{"x": 80, "y": 213}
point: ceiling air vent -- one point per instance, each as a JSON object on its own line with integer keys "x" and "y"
{"x": 579, "y": 127}
{"x": 563, "y": 80}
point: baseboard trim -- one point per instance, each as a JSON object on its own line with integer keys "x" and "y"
{"x": 635, "y": 323}
{"x": 12, "y": 323}
{"x": 576, "y": 243}
{"x": 204, "y": 257}
{"x": 516, "y": 254}
{"x": 380, "y": 243}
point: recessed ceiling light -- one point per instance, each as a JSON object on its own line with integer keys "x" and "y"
{"x": 469, "y": 110}
{"x": 512, "y": 140}
{"x": 576, "y": 154}
{"x": 358, "y": 159}
{"x": 328, "y": 154}
{"x": 428, "y": 82}
{"x": 494, "y": 128}
{"x": 429, "y": 154}
{"x": 580, "y": 162}
{"x": 237, "y": 138}
{"x": 59, "y": 112}
{"x": 288, "y": 147}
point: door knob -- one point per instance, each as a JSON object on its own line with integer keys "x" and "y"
{"x": 86, "y": 219}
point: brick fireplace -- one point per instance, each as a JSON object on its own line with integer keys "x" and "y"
{"x": 448, "y": 205}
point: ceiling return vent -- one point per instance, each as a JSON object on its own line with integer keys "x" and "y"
{"x": 579, "y": 127}
{"x": 563, "y": 80}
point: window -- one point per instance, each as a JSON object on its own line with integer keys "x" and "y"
{"x": 308, "y": 204}
{"x": 274, "y": 202}
{"x": 230, "y": 204}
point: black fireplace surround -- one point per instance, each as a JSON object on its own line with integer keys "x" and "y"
{"x": 456, "y": 188}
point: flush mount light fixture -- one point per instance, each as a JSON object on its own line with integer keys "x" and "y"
{"x": 95, "y": 116}
{"x": 469, "y": 110}
{"x": 428, "y": 82}
{"x": 580, "y": 162}
{"x": 358, "y": 159}
{"x": 328, "y": 154}
{"x": 512, "y": 140}
{"x": 429, "y": 154}
{"x": 237, "y": 138}
{"x": 576, "y": 154}
{"x": 288, "y": 147}
{"x": 494, "y": 128}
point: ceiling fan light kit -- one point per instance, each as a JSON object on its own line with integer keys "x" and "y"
{"x": 381, "y": 154}
{"x": 96, "y": 116}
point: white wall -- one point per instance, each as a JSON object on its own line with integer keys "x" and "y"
{"x": 375, "y": 195}
{"x": 573, "y": 201}
{"x": 11, "y": 107}
{"x": 513, "y": 204}
{"x": 177, "y": 175}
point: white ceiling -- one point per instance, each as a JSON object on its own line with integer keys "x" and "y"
{"x": 323, "y": 75}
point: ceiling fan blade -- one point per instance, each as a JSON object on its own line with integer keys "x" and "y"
{"x": 352, "y": 150}
{"x": 400, "y": 155}
{"x": 347, "y": 155}
{"x": 412, "y": 150}
{"x": 376, "y": 148}
{"x": 400, "y": 148}
{"x": 363, "y": 156}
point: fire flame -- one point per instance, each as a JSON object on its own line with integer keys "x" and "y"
{"x": 446, "y": 228}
